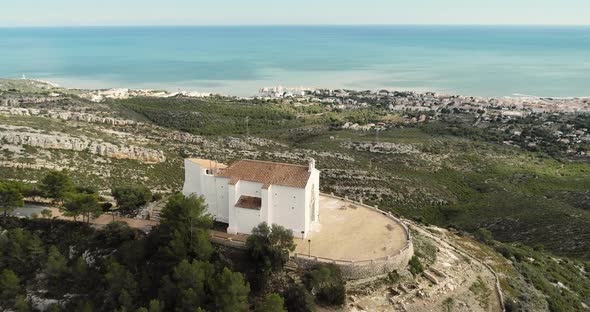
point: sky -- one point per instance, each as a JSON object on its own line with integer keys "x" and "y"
{"x": 291, "y": 12}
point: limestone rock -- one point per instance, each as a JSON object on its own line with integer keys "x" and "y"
{"x": 53, "y": 140}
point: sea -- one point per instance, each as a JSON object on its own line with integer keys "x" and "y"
{"x": 549, "y": 61}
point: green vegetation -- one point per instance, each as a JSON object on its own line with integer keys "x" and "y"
{"x": 564, "y": 283}
{"x": 56, "y": 184}
{"x": 271, "y": 303}
{"x": 56, "y": 267}
{"x": 9, "y": 289}
{"x": 217, "y": 116}
{"x": 455, "y": 178}
{"x": 416, "y": 266}
{"x": 298, "y": 299}
{"x": 481, "y": 290}
{"x": 10, "y": 197}
{"x": 173, "y": 268}
{"x": 326, "y": 283}
{"x": 268, "y": 248}
{"x": 183, "y": 230}
{"x": 117, "y": 269}
{"x": 131, "y": 198}
{"x": 230, "y": 292}
{"x": 86, "y": 205}
{"x": 448, "y": 304}
{"x": 46, "y": 213}
{"x": 423, "y": 248}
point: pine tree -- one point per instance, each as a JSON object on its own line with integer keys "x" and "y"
{"x": 271, "y": 303}
{"x": 230, "y": 292}
{"x": 10, "y": 197}
{"x": 9, "y": 288}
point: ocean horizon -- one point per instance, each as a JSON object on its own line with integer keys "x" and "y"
{"x": 478, "y": 60}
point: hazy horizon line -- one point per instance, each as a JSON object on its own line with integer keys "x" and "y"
{"x": 287, "y": 25}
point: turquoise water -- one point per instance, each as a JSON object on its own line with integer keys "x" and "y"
{"x": 470, "y": 60}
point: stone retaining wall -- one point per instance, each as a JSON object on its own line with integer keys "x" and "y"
{"x": 227, "y": 242}
{"x": 351, "y": 270}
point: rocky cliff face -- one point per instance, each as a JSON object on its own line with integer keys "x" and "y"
{"x": 54, "y": 140}
{"x": 64, "y": 115}
{"x": 381, "y": 147}
{"x": 29, "y": 100}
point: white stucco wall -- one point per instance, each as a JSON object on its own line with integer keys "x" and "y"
{"x": 231, "y": 199}
{"x": 312, "y": 200}
{"x": 289, "y": 208}
{"x": 266, "y": 213}
{"x": 246, "y": 219}
{"x": 248, "y": 188}
{"x": 221, "y": 206}
{"x": 283, "y": 205}
{"x": 192, "y": 179}
{"x": 212, "y": 189}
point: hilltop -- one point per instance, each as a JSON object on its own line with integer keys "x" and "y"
{"x": 516, "y": 177}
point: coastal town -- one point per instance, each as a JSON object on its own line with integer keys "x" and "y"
{"x": 428, "y": 101}
{"x": 525, "y": 121}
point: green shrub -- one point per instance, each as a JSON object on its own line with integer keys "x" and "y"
{"x": 393, "y": 277}
{"x": 484, "y": 236}
{"x": 539, "y": 247}
{"x": 157, "y": 196}
{"x": 130, "y": 198}
{"x": 298, "y": 299}
{"x": 326, "y": 283}
{"x": 271, "y": 303}
{"x": 416, "y": 266}
{"x": 448, "y": 304}
{"x": 268, "y": 250}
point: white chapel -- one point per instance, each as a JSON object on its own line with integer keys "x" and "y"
{"x": 249, "y": 192}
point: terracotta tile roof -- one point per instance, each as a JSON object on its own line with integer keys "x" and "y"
{"x": 249, "y": 202}
{"x": 267, "y": 173}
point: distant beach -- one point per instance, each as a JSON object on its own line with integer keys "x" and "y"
{"x": 469, "y": 60}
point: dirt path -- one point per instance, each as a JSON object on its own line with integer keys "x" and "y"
{"x": 106, "y": 219}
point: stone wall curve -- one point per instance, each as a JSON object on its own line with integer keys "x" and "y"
{"x": 352, "y": 270}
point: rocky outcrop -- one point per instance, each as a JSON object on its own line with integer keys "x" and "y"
{"x": 90, "y": 118}
{"x": 64, "y": 115}
{"x": 264, "y": 142}
{"x": 381, "y": 147}
{"x": 18, "y": 100}
{"x": 185, "y": 137}
{"x": 18, "y": 165}
{"x": 54, "y": 140}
